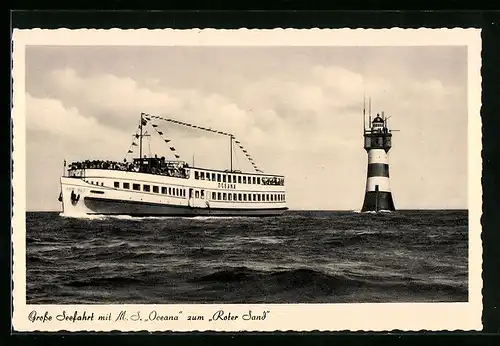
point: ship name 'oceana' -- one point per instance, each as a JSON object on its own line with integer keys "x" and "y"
{"x": 226, "y": 186}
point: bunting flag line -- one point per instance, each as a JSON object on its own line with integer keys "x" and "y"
{"x": 250, "y": 159}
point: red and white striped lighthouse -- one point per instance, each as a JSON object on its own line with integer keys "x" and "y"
{"x": 377, "y": 143}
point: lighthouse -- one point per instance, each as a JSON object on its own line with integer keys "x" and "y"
{"x": 377, "y": 143}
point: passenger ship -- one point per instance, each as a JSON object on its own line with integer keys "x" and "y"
{"x": 156, "y": 186}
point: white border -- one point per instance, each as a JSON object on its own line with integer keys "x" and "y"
{"x": 282, "y": 317}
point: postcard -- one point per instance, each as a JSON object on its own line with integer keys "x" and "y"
{"x": 246, "y": 180}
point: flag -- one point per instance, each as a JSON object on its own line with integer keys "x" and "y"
{"x": 154, "y": 125}
{"x": 133, "y": 143}
{"x": 144, "y": 122}
{"x": 172, "y": 148}
{"x": 160, "y": 133}
{"x": 136, "y": 135}
{"x": 176, "y": 156}
{"x": 167, "y": 140}
{"x": 130, "y": 152}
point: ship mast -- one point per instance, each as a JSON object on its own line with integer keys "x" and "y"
{"x": 231, "y": 151}
{"x": 140, "y": 137}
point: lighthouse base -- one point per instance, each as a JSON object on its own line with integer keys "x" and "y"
{"x": 377, "y": 201}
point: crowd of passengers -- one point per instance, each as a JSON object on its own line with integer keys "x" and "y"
{"x": 273, "y": 181}
{"x": 171, "y": 169}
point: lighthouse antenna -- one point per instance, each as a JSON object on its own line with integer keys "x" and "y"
{"x": 370, "y": 112}
{"x": 364, "y": 113}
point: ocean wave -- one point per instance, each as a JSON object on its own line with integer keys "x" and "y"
{"x": 32, "y": 259}
{"x": 301, "y": 277}
{"x": 310, "y": 281}
{"x": 83, "y": 216}
{"x": 110, "y": 281}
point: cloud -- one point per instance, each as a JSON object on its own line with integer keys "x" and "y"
{"x": 304, "y": 122}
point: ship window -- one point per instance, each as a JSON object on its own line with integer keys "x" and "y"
{"x": 239, "y": 197}
{"x": 234, "y": 179}
{"x": 196, "y": 175}
{"x": 244, "y": 196}
{"x": 170, "y": 191}
{"x": 213, "y": 195}
{"x": 202, "y": 175}
{"x": 213, "y": 176}
{"x": 102, "y": 184}
{"x": 254, "y": 196}
{"x": 197, "y": 194}
{"x": 219, "y": 196}
{"x": 183, "y": 192}
{"x": 253, "y": 180}
{"x": 202, "y": 194}
{"x": 223, "y": 178}
{"x": 224, "y": 196}
{"x": 258, "y": 197}
{"x": 136, "y": 187}
{"x": 177, "y": 193}
{"x": 126, "y": 185}
{"x": 164, "y": 190}
{"x": 244, "y": 180}
{"x": 218, "y": 177}
{"x": 92, "y": 182}
{"x": 272, "y": 199}
{"x": 230, "y": 196}
{"x": 267, "y": 197}
{"x": 155, "y": 189}
{"x": 235, "y": 197}
{"x": 258, "y": 180}
{"x": 239, "y": 179}
{"x": 146, "y": 188}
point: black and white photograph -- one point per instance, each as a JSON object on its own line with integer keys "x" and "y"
{"x": 236, "y": 178}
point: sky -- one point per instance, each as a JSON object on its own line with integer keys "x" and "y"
{"x": 296, "y": 110}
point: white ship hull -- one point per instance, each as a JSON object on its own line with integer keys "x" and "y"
{"x": 102, "y": 192}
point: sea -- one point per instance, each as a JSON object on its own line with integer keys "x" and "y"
{"x": 299, "y": 257}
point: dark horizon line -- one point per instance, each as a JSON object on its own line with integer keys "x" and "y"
{"x": 310, "y": 210}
